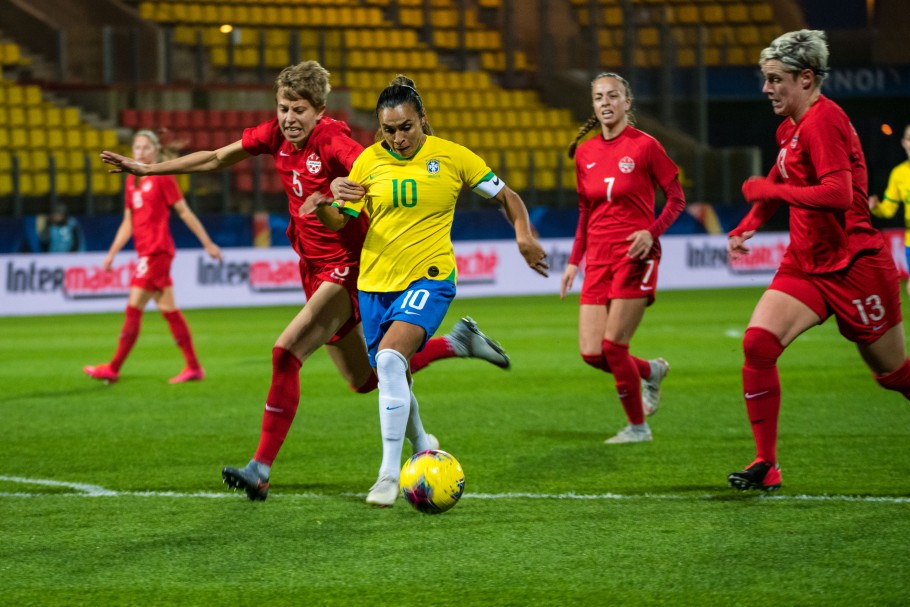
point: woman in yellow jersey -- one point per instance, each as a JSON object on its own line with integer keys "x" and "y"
{"x": 897, "y": 192}
{"x": 407, "y": 184}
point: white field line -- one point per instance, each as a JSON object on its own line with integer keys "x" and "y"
{"x": 86, "y": 490}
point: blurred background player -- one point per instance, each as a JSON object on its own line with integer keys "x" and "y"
{"x": 146, "y": 218}
{"x": 617, "y": 237}
{"x": 310, "y": 149}
{"x": 836, "y": 262}
{"x": 897, "y": 193}
{"x": 61, "y": 233}
{"x": 408, "y": 184}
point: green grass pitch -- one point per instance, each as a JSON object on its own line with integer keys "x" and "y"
{"x": 136, "y": 513}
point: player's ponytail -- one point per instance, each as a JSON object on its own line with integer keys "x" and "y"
{"x": 400, "y": 91}
{"x": 582, "y": 131}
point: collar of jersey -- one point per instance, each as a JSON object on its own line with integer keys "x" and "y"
{"x": 397, "y": 157}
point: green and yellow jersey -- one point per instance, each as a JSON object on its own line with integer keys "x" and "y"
{"x": 897, "y": 192}
{"x": 410, "y": 203}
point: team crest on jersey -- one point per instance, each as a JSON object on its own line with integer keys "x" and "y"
{"x": 793, "y": 142}
{"x": 313, "y": 164}
{"x": 432, "y": 166}
{"x": 626, "y": 164}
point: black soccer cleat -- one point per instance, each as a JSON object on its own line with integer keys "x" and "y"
{"x": 758, "y": 475}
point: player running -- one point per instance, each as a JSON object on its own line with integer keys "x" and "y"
{"x": 310, "y": 149}
{"x": 617, "y": 236}
{"x": 836, "y": 264}
{"x": 408, "y": 184}
{"x": 146, "y": 217}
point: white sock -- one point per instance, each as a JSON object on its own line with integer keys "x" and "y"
{"x": 394, "y": 408}
{"x": 415, "y": 432}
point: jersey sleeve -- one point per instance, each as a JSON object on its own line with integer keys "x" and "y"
{"x": 828, "y": 147}
{"x": 581, "y": 231}
{"x": 170, "y": 190}
{"x": 261, "y": 139}
{"x": 360, "y": 174}
{"x": 893, "y": 192}
{"x": 478, "y": 175}
{"x": 666, "y": 173}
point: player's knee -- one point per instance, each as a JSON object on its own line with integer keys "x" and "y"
{"x": 761, "y": 347}
{"x": 390, "y": 364}
{"x": 368, "y": 386}
{"x": 597, "y": 361}
{"x": 898, "y": 380}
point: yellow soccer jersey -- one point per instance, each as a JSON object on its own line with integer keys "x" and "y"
{"x": 897, "y": 192}
{"x": 410, "y": 204}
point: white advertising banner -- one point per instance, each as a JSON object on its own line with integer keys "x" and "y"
{"x": 70, "y": 283}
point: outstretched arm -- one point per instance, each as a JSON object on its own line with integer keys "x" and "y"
{"x": 197, "y": 162}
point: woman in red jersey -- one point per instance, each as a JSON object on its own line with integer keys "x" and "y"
{"x": 146, "y": 219}
{"x": 310, "y": 150}
{"x": 617, "y": 172}
{"x": 836, "y": 264}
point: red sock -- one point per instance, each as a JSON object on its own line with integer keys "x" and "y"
{"x": 644, "y": 367}
{"x": 181, "y": 332}
{"x": 761, "y": 389}
{"x": 898, "y": 380}
{"x": 128, "y": 335}
{"x": 436, "y": 348}
{"x": 628, "y": 381}
{"x": 280, "y": 406}
{"x": 368, "y": 386}
{"x": 597, "y": 361}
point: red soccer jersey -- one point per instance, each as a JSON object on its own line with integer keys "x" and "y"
{"x": 616, "y": 184}
{"x": 329, "y": 152}
{"x": 150, "y": 204}
{"x": 821, "y": 142}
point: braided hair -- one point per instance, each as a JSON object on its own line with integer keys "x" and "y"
{"x": 594, "y": 120}
{"x": 400, "y": 91}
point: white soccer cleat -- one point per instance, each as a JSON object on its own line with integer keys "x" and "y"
{"x": 630, "y": 434}
{"x": 468, "y": 341}
{"x": 650, "y": 388}
{"x": 384, "y": 492}
{"x": 432, "y": 444}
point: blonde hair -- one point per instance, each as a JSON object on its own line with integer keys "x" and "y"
{"x": 164, "y": 152}
{"x": 798, "y": 51}
{"x": 593, "y": 120}
{"x": 305, "y": 80}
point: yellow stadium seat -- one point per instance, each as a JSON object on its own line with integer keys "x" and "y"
{"x": 6, "y": 184}
{"x": 71, "y": 116}
{"x": 18, "y": 138}
{"x": 761, "y": 13}
{"x": 15, "y": 95}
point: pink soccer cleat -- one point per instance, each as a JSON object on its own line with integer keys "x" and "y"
{"x": 103, "y": 372}
{"x": 188, "y": 375}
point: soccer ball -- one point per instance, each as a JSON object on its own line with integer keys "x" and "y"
{"x": 432, "y": 481}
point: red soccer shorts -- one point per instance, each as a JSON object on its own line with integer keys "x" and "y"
{"x": 620, "y": 278}
{"x": 153, "y": 273}
{"x": 344, "y": 274}
{"x": 864, "y": 296}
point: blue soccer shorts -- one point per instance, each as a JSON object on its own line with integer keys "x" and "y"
{"x": 424, "y": 303}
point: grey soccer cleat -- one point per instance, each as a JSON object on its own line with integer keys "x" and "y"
{"x": 249, "y": 479}
{"x": 468, "y": 341}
